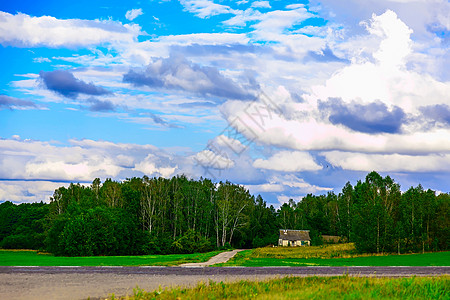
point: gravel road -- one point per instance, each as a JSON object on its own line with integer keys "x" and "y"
{"x": 97, "y": 282}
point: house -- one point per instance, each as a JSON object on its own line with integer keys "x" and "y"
{"x": 290, "y": 237}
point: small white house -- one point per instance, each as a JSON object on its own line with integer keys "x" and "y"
{"x": 294, "y": 238}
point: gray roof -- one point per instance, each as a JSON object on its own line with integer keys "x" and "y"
{"x": 294, "y": 235}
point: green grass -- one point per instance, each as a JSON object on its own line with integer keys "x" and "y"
{"x": 332, "y": 255}
{"x": 341, "y": 287}
{"x": 33, "y": 258}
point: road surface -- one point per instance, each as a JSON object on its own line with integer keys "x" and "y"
{"x": 97, "y": 282}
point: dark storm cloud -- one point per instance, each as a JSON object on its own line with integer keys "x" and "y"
{"x": 374, "y": 117}
{"x": 64, "y": 83}
{"x": 325, "y": 55}
{"x": 437, "y": 113}
{"x": 177, "y": 73}
{"x": 14, "y": 103}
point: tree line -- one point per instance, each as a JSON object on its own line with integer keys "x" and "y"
{"x": 180, "y": 215}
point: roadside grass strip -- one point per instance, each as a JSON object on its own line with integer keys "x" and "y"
{"x": 332, "y": 255}
{"x": 340, "y": 287}
{"x": 35, "y": 258}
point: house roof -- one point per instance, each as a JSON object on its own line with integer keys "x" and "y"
{"x": 294, "y": 235}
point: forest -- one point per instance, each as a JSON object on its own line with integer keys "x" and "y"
{"x": 182, "y": 215}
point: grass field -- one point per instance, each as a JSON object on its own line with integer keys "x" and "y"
{"x": 341, "y": 287}
{"x": 33, "y": 258}
{"x": 332, "y": 255}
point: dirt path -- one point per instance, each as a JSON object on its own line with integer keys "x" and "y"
{"x": 218, "y": 259}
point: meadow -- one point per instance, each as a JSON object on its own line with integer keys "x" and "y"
{"x": 326, "y": 255}
{"x": 332, "y": 255}
{"x": 35, "y": 258}
{"x": 341, "y": 287}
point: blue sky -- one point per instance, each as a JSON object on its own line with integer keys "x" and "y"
{"x": 284, "y": 97}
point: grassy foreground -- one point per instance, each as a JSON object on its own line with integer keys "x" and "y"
{"x": 341, "y": 287}
{"x": 33, "y": 258}
{"x": 332, "y": 255}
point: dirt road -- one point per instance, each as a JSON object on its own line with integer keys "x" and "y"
{"x": 96, "y": 282}
{"x": 218, "y": 259}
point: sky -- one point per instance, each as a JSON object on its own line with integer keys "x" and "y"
{"x": 284, "y": 97}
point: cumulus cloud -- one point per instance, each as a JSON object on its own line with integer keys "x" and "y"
{"x": 372, "y": 114}
{"x": 22, "y": 30}
{"x": 15, "y": 103}
{"x": 64, "y": 83}
{"x": 388, "y": 162}
{"x": 229, "y": 143}
{"x": 82, "y": 160}
{"x": 133, "y": 14}
{"x": 150, "y": 165}
{"x": 177, "y": 73}
{"x": 288, "y": 161}
{"x": 386, "y": 78}
{"x": 210, "y": 159}
{"x": 294, "y": 187}
{"x": 19, "y": 191}
{"x": 351, "y": 12}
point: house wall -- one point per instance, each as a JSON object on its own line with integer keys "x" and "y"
{"x": 285, "y": 243}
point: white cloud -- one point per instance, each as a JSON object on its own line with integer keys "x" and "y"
{"x": 149, "y": 166}
{"x": 307, "y": 133}
{"x": 299, "y": 185}
{"x": 287, "y": 187}
{"x": 273, "y": 23}
{"x": 28, "y": 191}
{"x": 82, "y": 160}
{"x": 285, "y": 199}
{"x": 388, "y": 162}
{"x": 387, "y": 79}
{"x": 210, "y": 159}
{"x": 228, "y": 143}
{"x": 41, "y": 59}
{"x": 418, "y": 15}
{"x": 261, "y": 4}
{"x": 265, "y": 188}
{"x": 205, "y": 8}
{"x": 133, "y": 14}
{"x": 242, "y": 17}
{"x": 22, "y": 30}
{"x": 302, "y": 126}
{"x": 396, "y": 42}
{"x": 294, "y": 6}
{"x": 288, "y": 161}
